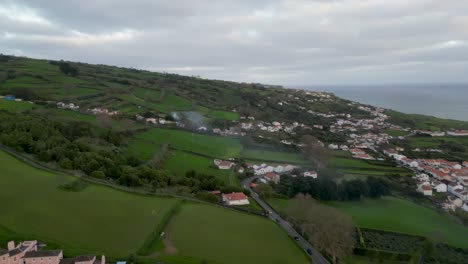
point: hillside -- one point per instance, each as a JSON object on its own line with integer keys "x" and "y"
{"x": 165, "y": 135}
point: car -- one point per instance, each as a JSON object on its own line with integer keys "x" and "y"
{"x": 309, "y": 251}
{"x": 296, "y": 238}
{"x": 277, "y": 220}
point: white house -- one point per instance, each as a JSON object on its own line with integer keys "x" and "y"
{"x": 333, "y": 146}
{"x": 409, "y": 162}
{"x": 279, "y": 169}
{"x": 235, "y": 198}
{"x": 440, "y": 187}
{"x": 425, "y": 189}
{"x": 465, "y": 207}
{"x": 151, "y": 120}
{"x": 312, "y": 174}
{"x": 223, "y": 164}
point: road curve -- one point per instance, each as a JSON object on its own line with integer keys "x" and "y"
{"x": 316, "y": 257}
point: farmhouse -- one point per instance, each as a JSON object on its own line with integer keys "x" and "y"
{"x": 223, "y": 164}
{"x": 311, "y": 173}
{"x": 28, "y": 252}
{"x": 235, "y": 198}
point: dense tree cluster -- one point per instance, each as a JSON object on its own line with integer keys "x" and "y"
{"x": 66, "y": 144}
{"x": 326, "y": 189}
{"x": 66, "y": 67}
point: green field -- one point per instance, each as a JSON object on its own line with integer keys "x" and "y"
{"x": 434, "y": 142}
{"x": 214, "y": 234}
{"x": 213, "y": 146}
{"x": 393, "y": 214}
{"x": 398, "y": 215}
{"x": 94, "y": 220}
{"x": 143, "y": 149}
{"x": 356, "y": 164}
{"x": 180, "y": 162}
{"x": 100, "y": 220}
{"x": 13, "y": 106}
{"x": 372, "y": 172}
{"x": 218, "y": 114}
{"x": 396, "y": 133}
{"x": 273, "y": 156}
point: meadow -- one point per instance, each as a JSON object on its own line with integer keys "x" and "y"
{"x": 273, "y": 156}
{"x": 396, "y": 133}
{"x": 217, "y": 114}
{"x": 356, "y": 166}
{"x": 92, "y": 219}
{"x": 209, "y": 145}
{"x": 95, "y": 219}
{"x": 179, "y": 162}
{"x": 398, "y": 215}
{"x": 434, "y": 142}
{"x": 211, "y": 233}
{"x": 16, "y": 107}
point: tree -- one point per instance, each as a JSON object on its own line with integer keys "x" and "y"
{"x": 314, "y": 150}
{"x": 377, "y": 187}
{"x": 326, "y": 228}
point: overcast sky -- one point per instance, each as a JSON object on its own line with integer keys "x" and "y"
{"x": 289, "y": 42}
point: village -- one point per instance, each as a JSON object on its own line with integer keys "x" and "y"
{"x": 30, "y": 252}
{"x": 266, "y": 174}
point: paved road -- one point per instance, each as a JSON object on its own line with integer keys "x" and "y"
{"x": 316, "y": 257}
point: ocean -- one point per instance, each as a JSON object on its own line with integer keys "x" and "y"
{"x": 440, "y": 100}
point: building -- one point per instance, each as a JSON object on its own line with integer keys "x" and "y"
{"x": 43, "y": 257}
{"x": 272, "y": 177}
{"x": 409, "y": 162}
{"x": 440, "y": 187}
{"x": 223, "y": 164}
{"x": 28, "y": 252}
{"x": 425, "y": 189}
{"x": 238, "y": 198}
{"x": 311, "y": 173}
{"x": 458, "y": 133}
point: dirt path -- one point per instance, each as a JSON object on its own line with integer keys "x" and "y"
{"x": 169, "y": 247}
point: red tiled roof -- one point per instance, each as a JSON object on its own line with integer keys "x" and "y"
{"x": 426, "y": 187}
{"x": 235, "y": 196}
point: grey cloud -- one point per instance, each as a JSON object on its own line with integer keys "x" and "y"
{"x": 279, "y": 41}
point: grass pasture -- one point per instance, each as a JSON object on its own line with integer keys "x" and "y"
{"x": 396, "y": 133}
{"x": 213, "y": 146}
{"x": 361, "y": 167}
{"x": 273, "y": 156}
{"x": 143, "y": 149}
{"x": 180, "y": 162}
{"x": 398, "y": 215}
{"x": 15, "y": 107}
{"x": 218, "y": 114}
{"x": 93, "y": 220}
{"x": 224, "y": 236}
